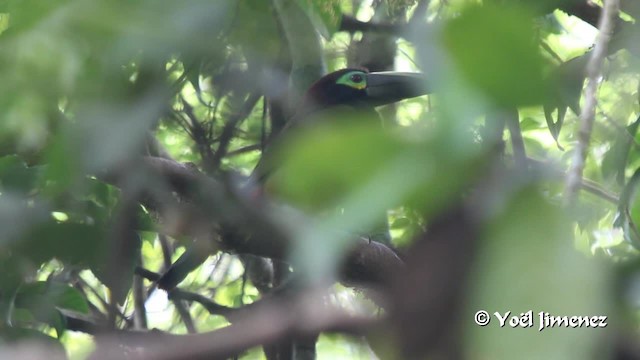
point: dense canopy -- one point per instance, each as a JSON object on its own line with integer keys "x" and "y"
{"x": 176, "y": 182}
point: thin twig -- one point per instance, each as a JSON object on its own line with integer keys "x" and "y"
{"x": 181, "y": 307}
{"x": 595, "y": 189}
{"x": 587, "y": 115}
{"x": 244, "y": 149}
{"x": 139, "y": 299}
{"x": 230, "y": 127}
{"x": 517, "y": 142}
{"x": 182, "y": 122}
{"x": 587, "y": 185}
{"x": 199, "y": 135}
{"x": 146, "y": 274}
{"x": 185, "y": 316}
{"x": 212, "y": 307}
{"x": 85, "y": 285}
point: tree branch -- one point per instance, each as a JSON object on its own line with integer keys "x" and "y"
{"x": 587, "y": 115}
{"x": 264, "y": 324}
{"x": 207, "y": 209}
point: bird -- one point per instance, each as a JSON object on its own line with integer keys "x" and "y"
{"x": 351, "y": 89}
{"x": 354, "y": 89}
{"x": 361, "y": 89}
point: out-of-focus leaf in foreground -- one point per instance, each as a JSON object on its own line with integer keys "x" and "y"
{"x": 495, "y": 51}
{"x": 369, "y": 168}
{"x": 527, "y": 262}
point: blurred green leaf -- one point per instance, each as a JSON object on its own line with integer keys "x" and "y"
{"x": 54, "y": 293}
{"x": 628, "y": 216}
{"x": 614, "y": 162}
{"x": 365, "y": 170}
{"x": 529, "y": 123}
{"x": 15, "y": 175}
{"x": 43, "y": 298}
{"x": 257, "y": 17}
{"x": 16, "y": 334}
{"x": 19, "y": 215}
{"x": 524, "y": 266}
{"x": 72, "y": 243}
{"x": 324, "y": 166}
{"x": 495, "y": 51}
{"x": 27, "y": 13}
{"x": 566, "y": 81}
{"x": 400, "y": 223}
{"x": 549, "y": 23}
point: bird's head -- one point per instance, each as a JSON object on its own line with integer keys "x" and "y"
{"x": 360, "y": 88}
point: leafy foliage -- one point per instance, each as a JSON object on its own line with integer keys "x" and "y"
{"x": 129, "y": 131}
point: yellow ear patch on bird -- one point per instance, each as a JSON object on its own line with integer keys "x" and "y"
{"x": 354, "y": 79}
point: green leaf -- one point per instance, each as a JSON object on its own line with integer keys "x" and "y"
{"x": 63, "y": 164}
{"x": 15, "y": 175}
{"x": 564, "y": 94}
{"x": 16, "y": 334}
{"x": 350, "y": 162}
{"x": 325, "y": 15}
{"x": 529, "y": 123}
{"x": 28, "y": 13}
{"x": 257, "y": 17}
{"x": 83, "y": 246}
{"x": 614, "y": 162}
{"x": 549, "y": 24}
{"x": 42, "y": 299}
{"x": 57, "y": 294}
{"x": 628, "y": 216}
{"x": 400, "y": 223}
{"x": 494, "y": 49}
{"x": 524, "y": 266}
{"x": 19, "y": 215}
{"x": 74, "y": 244}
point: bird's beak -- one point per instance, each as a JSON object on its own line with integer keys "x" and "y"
{"x": 390, "y": 86}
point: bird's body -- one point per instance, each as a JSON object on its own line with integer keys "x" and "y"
{"x": 344, "y": 95}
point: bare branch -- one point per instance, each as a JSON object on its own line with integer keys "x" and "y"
{"x": 139, "y": 299}
{"x": 230, "y": 127}
{"x": 207, "y": 210}
{"x": 587, "y": 115}
{"x": 212, "y": 307}
{"x": 586, "y": 184}
{"x": 306, "y": 315}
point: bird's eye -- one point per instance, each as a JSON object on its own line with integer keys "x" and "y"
{"x": 356, "y": 78}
